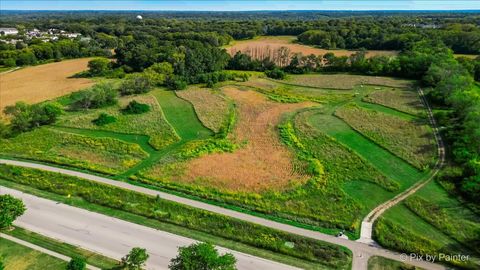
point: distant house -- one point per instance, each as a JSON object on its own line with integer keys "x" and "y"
{"x": 8, "y": 31}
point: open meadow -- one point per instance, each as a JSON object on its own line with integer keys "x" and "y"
{"x": 43, "y": 82}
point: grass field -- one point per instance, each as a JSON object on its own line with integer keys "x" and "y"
{"x": 211, "y": 107}
{"x": 63, "y": 248}
{"x": 400, "y": 99}
{"x": 432, "y": 222}
{"x": 381, "y": 263}
{"x": 266, "y": 45}
{"x": 44, "y": 82}
{"x": 410, "y": 140}
{"x": 152, "y": 123}
{"x": 344, "y": 81}
{"x": 18, "y": 257}
{"x": 106, "y": 155}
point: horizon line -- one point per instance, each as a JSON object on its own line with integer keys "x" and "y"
{"x": 253, "y": 10}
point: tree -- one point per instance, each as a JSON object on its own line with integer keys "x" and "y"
{"x": 135, "y": 259}
{"x": 100, "y": 95}
{"x": 135, "y": 107}
{"x": 136, "y": 84}
{"x": 98, "y": 66}
{"x": 10, "y": 209}
{"x": 77, "y": 263}
{"x": 202, "y": 256}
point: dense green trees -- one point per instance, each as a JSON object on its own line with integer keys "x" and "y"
{"x": 202, "y": 256}
{"x": 99, "y": 95}
{"x": 10, "y": 209}
{"x": 25, "y": 117}
{"x": 98, "y": 66}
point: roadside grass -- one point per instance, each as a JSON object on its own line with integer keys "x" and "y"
{"x": 410, "y": 140}
{"x": 382, "y": 263}
{"x": 211, "y": 107}
{"x": 431, "y": 228}
{"x": 344, "y": 81}
{"x": 141, "y": 208}
{"x": 152, "y": 123}
{"x": 66, "y": 249}
{"x": 105, "y": 155}
{"x": 19, "y": 257}
{"x": 404, "y": 100}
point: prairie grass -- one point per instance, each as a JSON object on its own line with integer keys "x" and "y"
{"x": 344, "y": 81}
{"x": 411, "y": 140}
{"x": 403, "y": 100}
{"x": 211, "y": 106}
{"x": 152, "y": 123}
{"x": 106, "y": 155}
{"x": 19, "y": 257}
{"x": 431, "y": 222}
{"x": 382, "y": 263}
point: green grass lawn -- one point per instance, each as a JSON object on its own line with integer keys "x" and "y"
{"x": 63, "y": 248}
{"x": 18, "y": 257}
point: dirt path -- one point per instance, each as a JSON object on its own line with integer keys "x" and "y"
{"x": 368, "y": 221}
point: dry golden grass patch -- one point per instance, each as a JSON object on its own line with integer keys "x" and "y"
{"x": 267, "y": 46}
{"x": 264, "y": 163}
{"x": 345, "y": 81}
{"x": 400, "y": 99}
{"x": 408, "y": 139}
{"x": 211, "y": 107}
{"x": 43, "y": 82}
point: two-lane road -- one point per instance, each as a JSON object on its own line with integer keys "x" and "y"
{"x": 113, "y": 237}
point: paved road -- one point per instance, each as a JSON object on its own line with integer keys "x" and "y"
{"x": 360, "y": 250}
{"x": 110, "y": 236}
{"x": 367, "y": 223}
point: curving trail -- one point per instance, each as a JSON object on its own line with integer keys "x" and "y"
{"x": 367, "y": 223}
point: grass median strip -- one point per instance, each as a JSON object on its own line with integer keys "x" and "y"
{"x": 179, "y": 219}
{"x": 66, "y": 249}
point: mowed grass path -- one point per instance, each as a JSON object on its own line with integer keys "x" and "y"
{"x": 19, "y": 257}
{"x": 388, "y": 164}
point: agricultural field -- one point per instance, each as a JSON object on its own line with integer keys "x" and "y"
{"x": 263, "y": 46}
{"x": 43, "y": 82}
{"x": 411, "y": 140}
{"x": 19, "y": 257}
{"x": 432, "y": 222}
{"x": 400, "y": 99}
{"x": 211, "y": 107}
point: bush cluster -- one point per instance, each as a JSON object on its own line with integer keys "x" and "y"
{"x": 135, "y": 107}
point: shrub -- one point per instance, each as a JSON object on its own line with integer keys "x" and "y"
{"x": 98, "y": 66}
{"x": 136, "y": 84}
{"x": 26, "y": 117}
{"x": 275, "y": 74}
{"x": 76, "y": 263}
{"x": 104, "y": 119}
{"x": 135, "y": 107}
{"x": 176, "y": 83}
{"x": 98, "y": 96}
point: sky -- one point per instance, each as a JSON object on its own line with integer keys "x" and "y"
{"x": 239, "y": 5}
